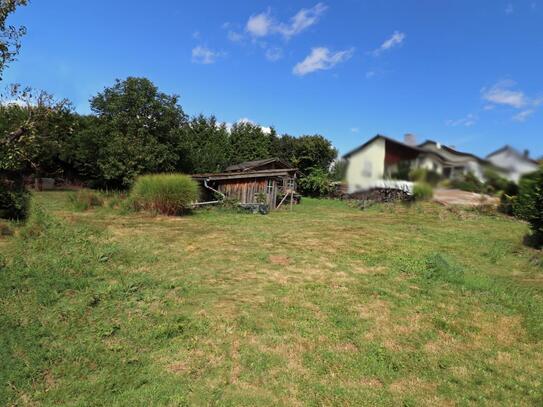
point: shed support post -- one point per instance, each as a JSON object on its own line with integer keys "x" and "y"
{"x": 291, "y": 198}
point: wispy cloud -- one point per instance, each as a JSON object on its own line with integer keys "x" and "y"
{"x": 274, "y": 54}
{"x": 321, "y": 58}
{"x": 522, "y": 116}
{"x": 502, "y": 94}
{"x": 204, "y": 55}
{"x": 509, "y": 9}
{"x": 395, "y": 40}
{"x": 303, "y": 19}
{"x": 370, "y": 74}
{"x": 467, "y": 121}
{"x": 234, "y": 36}
{"x": 355, "y": 129}
{"x": 263, "y": 24}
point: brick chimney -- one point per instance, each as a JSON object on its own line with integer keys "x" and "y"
{"x": 410, "y": 139}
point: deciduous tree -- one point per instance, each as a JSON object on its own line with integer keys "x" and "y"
{"x": 137, "y": 131}
{"x": 10, "y": 36}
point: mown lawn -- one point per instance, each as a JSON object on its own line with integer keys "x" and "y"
{"x": 325, "y": 305}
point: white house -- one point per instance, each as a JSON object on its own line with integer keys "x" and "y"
{"x": 517, "y": 164}
{"x": 457, "y": 163}
{"x": 381, "y": 158}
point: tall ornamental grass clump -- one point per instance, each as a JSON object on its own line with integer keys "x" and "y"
{"x": 168, "y": 194}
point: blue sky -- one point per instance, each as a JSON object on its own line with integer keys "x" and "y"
{"x": 466, "y": 73}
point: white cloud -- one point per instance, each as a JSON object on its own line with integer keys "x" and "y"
{"x": 321, "y": 58}
{"x": 265, "y": 129}
{"x": 18, "y": 102}
{"x": 522, "y": 116}
{"x": 234, "y": 36}
{"x": 302, "y": 19}
{"x": 196, "y": 35}
{"x": 370, "y": 74}
{"x": 502, "y": 94}
{"x": 261, "y": 25}
{"x": 467, "y": 121}
{"x": 355, "y": 129}
{"x": 396, "y": 39}
{"x": 509, "y": 9}
{"x": 274, "y": 54}
{"x": 203, "y": 55}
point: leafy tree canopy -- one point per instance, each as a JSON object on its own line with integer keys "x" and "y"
{"x": 307, "y": 152}
{"x": 137, "y": 132}
{"x": 34, "y": 127}
{"x": 249, "y": 141}
{"x": 10, "y": 36}
{"x": 204, "y": 145}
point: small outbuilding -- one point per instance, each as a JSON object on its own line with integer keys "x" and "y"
{"x": 271, "y": 181}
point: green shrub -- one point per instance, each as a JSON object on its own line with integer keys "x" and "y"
{"x": 402, "y": 171}
{"x": 14, "y": 198}
{"x": 85, "y": 199}
{"x": 468, "y": 182}
{"x": 424, "y": 175}
{"x": 168, "y": 194}
{"x": 508, "y": 198}
{"x": 529, "y": 204}
{"x": 422, "y": 191}
{"x": 316, "y": 184}
{"x": 494, "y": 182}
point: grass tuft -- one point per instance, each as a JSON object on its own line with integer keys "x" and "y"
{"x": 85, "y": 199}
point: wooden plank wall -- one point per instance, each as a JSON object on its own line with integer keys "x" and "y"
{"x": 246, "y": 190}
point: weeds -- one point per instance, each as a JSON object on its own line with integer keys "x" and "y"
{"x": 85, "y": 199}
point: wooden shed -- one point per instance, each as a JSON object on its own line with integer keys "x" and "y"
{"x": 246, "y": 182}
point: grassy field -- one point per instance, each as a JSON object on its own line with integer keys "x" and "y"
{"x": 325, "y": 305}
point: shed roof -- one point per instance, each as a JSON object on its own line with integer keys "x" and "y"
{"x": 250, "y": 165}
{"x": 281, "y": 172}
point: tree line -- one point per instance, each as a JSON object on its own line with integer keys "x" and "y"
{"x": 136, "y": 129}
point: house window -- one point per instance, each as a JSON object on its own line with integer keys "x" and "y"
{"x": 269, "y": 187}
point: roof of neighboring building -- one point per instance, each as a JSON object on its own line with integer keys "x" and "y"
{"x": 421, "y": 150}
{"x": 453, "y": 151}
{"x": 249, "y": 165}
{"x": 416, "y": 149}
{"x": 376, "y": 137}
{"x": 245, "y": 174}
{"x": 514, "y": 151}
